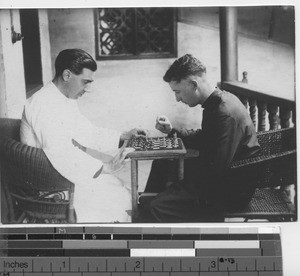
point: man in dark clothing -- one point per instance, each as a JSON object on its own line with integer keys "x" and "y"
{"x": 227, "y": 133}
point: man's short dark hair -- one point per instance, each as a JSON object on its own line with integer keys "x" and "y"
{"x": 74, "y": 60}
{"x": 183, "y": 67}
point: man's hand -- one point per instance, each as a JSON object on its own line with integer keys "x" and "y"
{"x": 163, "y": 124}
{"x": 133, "y": 133}
{"x": 116, "y": 163}
{"x": 118, "y": 160}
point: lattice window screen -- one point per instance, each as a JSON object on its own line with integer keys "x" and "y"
{"x": 135, "y": 33}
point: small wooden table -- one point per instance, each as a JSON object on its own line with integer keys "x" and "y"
{"x": 135, "y": 156}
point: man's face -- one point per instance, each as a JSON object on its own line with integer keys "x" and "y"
{"x": 185, "y": 92}
{"x": 80, "y": 84}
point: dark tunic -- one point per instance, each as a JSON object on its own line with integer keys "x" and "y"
{"x": 227, "y": 133}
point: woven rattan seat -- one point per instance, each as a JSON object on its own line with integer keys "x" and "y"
{"x": 32, "y": 190}
{"x": 267, "y": 203}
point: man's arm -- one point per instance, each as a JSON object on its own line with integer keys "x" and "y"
{"x": 94, "y": 137}
{"x": 104, "y": 157}
{"x": 101, "y": 141}
{"x": 191, "y": 138}
{"x": 222, "y": 142}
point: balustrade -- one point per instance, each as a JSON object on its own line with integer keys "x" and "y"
{"x": 266, "y": 111}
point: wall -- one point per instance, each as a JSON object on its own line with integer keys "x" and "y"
{"x": 45, "y": 46}
{"x": 131, "y": 93}
{"x": 71, "y": 28}
{"x": 12, "y": 80}
{"x": 270, "y": 65}
{"x": 12, "y": 87}
{"x": 273, "y": 23}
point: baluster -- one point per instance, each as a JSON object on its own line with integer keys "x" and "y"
{"x": 273, "y": 118}
{"x": 244, "y": 99}
{"x": 262, "y": 110}
{"x": 245, "y": 75}
{"x": 252, "y": 104}
{"x": 285, "y": 116}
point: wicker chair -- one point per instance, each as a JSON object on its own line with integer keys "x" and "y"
{"x": 273, "y": 169}
{"x": 32, "y": 190}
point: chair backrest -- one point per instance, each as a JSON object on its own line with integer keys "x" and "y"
{"x": 29, "y": 176}
{"x": 276, "y": 141}
{"x": 29, "y": 166}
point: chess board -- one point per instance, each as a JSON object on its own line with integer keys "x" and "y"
{"x": 156, "y": 147}
{"x": 155, "y": 143}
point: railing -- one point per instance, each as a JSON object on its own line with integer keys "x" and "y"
{"x": 263, "y": 108}
{"x": 267, "y": 113}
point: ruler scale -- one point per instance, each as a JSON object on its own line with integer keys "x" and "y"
{"x": 134, "y": 251}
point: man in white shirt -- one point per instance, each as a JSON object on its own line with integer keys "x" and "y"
{"x": 52, "y": 121}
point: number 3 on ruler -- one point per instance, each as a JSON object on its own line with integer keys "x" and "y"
{"x": 213, "y": 264}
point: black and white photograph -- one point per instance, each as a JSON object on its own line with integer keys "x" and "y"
{"x": 175, "y": 114}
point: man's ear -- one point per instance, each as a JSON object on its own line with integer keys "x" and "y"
{"x": 195, "y": 83}
{"x": 66, "y": 74}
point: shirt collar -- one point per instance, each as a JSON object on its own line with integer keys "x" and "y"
{"x": 59, "y": 94}
{"x": 213, "y": 99}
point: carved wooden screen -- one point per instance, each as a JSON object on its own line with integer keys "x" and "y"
{"x": 135, "y": 33}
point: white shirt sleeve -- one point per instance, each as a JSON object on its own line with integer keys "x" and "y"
{"x": 98, "y": 138}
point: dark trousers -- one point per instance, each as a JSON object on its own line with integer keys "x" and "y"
{"x": 187, "y": 201}
{"x": 164, "y": 172}
{"x": 176, "y": 205}
{"x": 176, "y": 201}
